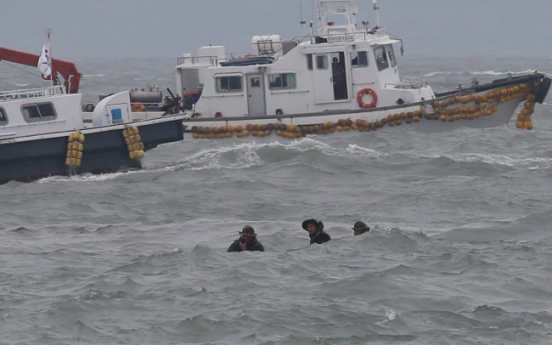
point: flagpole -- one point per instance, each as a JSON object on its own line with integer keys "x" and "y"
{"x": 49, "y": 32}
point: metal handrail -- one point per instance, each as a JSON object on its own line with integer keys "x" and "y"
{"x": 32, "y": 93}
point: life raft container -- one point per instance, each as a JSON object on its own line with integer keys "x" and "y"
{"x": 367, "y": 91}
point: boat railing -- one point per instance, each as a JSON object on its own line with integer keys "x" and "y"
{"x": 409, "y": 83}
{"x": 364, "y": 34}
{"x": 197, "y": 60}
{"x": 32, "y": 93}
{"x": 214, "y": 61}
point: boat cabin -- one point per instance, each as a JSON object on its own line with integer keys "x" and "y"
{"x": 36, "y": 111}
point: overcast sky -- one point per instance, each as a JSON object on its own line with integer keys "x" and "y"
{"x": 167, "y": 28}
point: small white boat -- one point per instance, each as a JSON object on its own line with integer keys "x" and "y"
{"x": 339, "y": 77}
{"x": 42, "y": 131}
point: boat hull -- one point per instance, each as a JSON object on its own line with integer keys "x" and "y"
{"x": 485, "y": 106}
{"x": 104, "y": 150}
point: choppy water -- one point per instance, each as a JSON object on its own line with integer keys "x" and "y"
{"x": 460, "y": 251}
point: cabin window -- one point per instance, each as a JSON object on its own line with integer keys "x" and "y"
{"x": 227, "y": 84}
{"x": 39, "y": 112}
{"x": 3, "y": 117}
{"x": 321, "y": 61}
{"x": 309, "y": 62}
{"x": 391, "y": 55}
{"x": 282, "y": 81}
{"x": 359, "y": 59}
{"x": 381, "y": 58}
{"x": 255, "y": 82}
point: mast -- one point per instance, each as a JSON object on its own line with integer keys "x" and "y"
{"x": 376, "y": 8}
{"x": 336, "y": 16}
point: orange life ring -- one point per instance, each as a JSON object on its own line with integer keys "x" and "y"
{"x": 367, "y": 91}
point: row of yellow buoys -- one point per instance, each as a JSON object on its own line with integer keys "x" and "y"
{"x": 486, "y": 105}
{"x": 453, "y": 108}
{"x": 524, "y": 117}
{"x": 134, "y": 142}
{"x": 257, "y": 130}
{"x": 75, "y": 146}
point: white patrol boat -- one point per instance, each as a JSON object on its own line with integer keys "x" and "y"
{"x": 340, "y": 77}
{"x": 42, "y": 131}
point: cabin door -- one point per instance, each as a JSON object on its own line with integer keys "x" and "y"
{"x": 330, "y": 78}
{"x": 255, "y": 95}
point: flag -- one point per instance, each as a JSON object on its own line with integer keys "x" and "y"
{"x": 44, "y": 61}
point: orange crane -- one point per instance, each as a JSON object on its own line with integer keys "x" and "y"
{"x": 64, "y": 68}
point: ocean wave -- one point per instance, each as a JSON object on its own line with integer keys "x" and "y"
{"x": 498, "y": 73}
{"x": 240, "y": 156}
{"x": 489, "y": 72}
{"x": 250, "y": 154}
{"x": 86, "y": 177}
{"x": 495, "y": 159}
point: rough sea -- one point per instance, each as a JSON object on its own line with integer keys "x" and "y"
{"x": 460, "y": 250}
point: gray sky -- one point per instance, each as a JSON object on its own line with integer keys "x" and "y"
{"x": 166, "y": 28}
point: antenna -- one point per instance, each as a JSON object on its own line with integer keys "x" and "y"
{"x": 376, "y": 8}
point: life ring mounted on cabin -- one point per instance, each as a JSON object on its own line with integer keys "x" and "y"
{"x": 367, "y": 91}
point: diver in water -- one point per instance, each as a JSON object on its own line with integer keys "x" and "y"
{"x": 316, "y": 231}
{"x": 360, "y": 227}
{"x": 247, "y": 241}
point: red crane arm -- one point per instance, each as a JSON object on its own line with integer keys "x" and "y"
{"x": 67, "y": 69}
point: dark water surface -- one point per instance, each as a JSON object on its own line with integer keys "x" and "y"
{"x": 460, "y": 250}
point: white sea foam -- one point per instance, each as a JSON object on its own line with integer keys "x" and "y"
{"x": 243, "y": 156}
{"x": 84, "y": 177}
{"x": 498, "y": 159}
{"x": 489, "y": 72}
{"x": 391, "y": 315}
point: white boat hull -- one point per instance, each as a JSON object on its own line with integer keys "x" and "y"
{"x": 490, "y": 108}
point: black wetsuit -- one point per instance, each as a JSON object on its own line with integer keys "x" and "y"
{"x": 253, "y": 245}
{"x": 319, "y": 237}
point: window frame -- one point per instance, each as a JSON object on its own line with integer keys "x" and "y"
{"x": 310, "y": 64}
{"x": 231, "y": 88}
{"x": 381, "y": 65}
{"x": 288, "y": 78}
{"x": 324, "y": 59}
{"x": 255, "y": 82}
{"x": 358, "y": 55}
{"x": 44, "y": 111}
{"x": 391, "y": 55}
{"x": 3, "y": 117}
